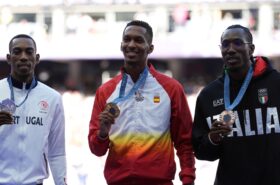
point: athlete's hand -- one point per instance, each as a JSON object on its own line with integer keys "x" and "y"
{"x": 105, "y": 120}
{"x": 5, "y": 118}
{"x": 218, "y": 130}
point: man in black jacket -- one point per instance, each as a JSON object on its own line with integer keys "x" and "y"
{"x": 237, "y": 115}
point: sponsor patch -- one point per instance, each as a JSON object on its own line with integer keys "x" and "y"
{"x": 218, "y": 102}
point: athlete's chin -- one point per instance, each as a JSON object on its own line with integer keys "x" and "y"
{"x": 26, "y": 75}
{"x": 233, "y": 68}
{"x": 131, "y": 61}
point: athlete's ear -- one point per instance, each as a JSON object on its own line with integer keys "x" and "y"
{"x": 151, "y": 49}
{"x": 251, "y": 49}
{"x": 37, "y": 58}
{"x": 8, "y": 57}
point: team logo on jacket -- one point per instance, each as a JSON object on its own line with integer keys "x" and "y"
{"x": 43, "y": 105}
{"x": 156, "y": 98}
{"x": 263, "y": 96}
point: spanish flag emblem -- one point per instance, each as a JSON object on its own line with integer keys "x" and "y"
{"x": 156, "y": 98}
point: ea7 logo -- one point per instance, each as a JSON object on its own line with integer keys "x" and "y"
{"x": 218, "y": 102}
{"x": 262, "y": 96}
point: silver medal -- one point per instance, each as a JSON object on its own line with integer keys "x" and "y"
{"x": 8, "y": 105}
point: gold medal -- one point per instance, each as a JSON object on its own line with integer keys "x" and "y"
{"x": 228, "y": 117}
{"x": 113, "y": 109}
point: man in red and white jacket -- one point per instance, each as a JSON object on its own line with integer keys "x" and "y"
{"x": 154, "y": 119}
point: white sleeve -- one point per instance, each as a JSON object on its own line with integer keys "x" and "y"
{"x": 56, "y": 147}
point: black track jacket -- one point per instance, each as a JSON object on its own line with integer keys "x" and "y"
{"x": 250, "y": 155}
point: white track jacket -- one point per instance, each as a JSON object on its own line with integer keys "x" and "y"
{"x": 35, "y": 139}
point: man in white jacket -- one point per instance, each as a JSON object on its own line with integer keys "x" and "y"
{"x": 32, "y": 124}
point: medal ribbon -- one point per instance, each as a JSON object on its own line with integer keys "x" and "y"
{"x": 241, "y": 92}
{"x": 12, "y": 90}
{"x": 140, "y": 82}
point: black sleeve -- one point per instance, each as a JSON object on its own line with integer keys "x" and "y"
{"x": 203, "y": 148}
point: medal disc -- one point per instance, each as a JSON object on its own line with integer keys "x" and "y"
{"x": 113, "y": 109}
{"x": 8, "y": 105}
{"x": 227, "y": 117}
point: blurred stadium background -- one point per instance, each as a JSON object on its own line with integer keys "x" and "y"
{"x": 79, "y": 44}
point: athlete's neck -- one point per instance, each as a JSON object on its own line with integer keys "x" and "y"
{"x": 134, "y": 71}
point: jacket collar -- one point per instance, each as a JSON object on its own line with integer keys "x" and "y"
{"x": 21, "y": 85}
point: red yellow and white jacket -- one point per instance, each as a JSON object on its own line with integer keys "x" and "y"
{"x": 141, "y": 141}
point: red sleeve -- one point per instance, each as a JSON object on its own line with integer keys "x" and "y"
{"x": 97, "y": 145}
{"x": 181, "y": 131}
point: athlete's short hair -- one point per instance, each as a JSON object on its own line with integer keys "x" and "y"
{"x": 21, "y": 36}
{"x": 144, "y": 25}
{"x": 245, "y": 29}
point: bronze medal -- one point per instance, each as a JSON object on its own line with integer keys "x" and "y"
{"x": 227, "y": 116}
{"x": 113, "y": 109}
